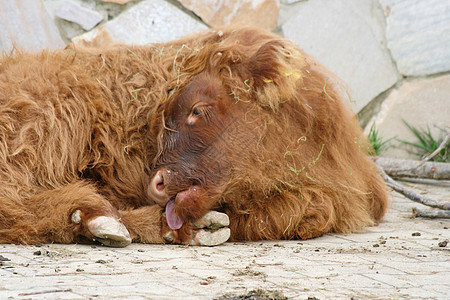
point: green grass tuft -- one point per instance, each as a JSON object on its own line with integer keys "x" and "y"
{"x": 379, "y": 145}
{"x": 427, "y": 144}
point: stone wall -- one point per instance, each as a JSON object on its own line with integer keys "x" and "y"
{"x": 394, "y": 55}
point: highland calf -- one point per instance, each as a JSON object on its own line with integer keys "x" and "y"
{"x": 257, "y": 133}
{"x": 140, "y": 143}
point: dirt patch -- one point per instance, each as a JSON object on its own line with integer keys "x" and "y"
{"x": 258, "y": 294}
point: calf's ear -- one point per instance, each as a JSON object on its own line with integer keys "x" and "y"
{"x": 264, "y": 65}
{"x": 275, "y": 70}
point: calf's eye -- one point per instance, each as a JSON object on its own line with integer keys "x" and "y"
{"x": 199, "y": 111}
{"x": 194, "y": 115}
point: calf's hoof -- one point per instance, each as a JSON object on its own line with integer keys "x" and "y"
{"x": 209, "y": 230}
{"x": 107, "y": 230}
{"x": 211, "y": 238}
{"x": 212, "y": 220}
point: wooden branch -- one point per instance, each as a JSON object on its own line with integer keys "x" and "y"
{"x": 431, "y": 213}
{"x": 412, "y": 168}
{"x": 417, "y": 169}
{"x": 411, "y": 195}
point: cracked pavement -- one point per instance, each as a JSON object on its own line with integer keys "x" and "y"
{"x": 402, "y": 258}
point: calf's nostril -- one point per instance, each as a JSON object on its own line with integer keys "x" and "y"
{"x": 157, "y": 188}
{"x": 160, "y": 186}
{"x": 159, "y": 182}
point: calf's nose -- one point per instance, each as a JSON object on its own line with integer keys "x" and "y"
{"x": 157, "y": 187}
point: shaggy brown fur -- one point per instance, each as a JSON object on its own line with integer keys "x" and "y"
{"x": 74, "y": 135}
{"x": 259, "y": 134}
{"x": 271, "y": 143}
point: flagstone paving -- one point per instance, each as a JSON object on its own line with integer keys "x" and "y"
{"x": 402, "y": 258}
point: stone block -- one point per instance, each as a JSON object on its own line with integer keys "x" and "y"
{"x": 150, "y": 21}
{"x": 421, "y": 103}
{"x": 73, "y": 12}
{"x": 118, "y": 1}
{"x": 260, "y": 13}
{"x": 418, "y": 35}
{"x": 69, "y": 30}
{"x": 290, "y": 1}
{"x": 347, "y": 37}
{"x": 26, "y": 25}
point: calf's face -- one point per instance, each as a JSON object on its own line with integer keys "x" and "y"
{"x": 192, "y": 164}
{"x": 207, "y": 133}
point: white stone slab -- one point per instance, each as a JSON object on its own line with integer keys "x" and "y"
{"x": 418, "y": 35}
{"x": 260, "y": 13}
{"x": 421, "y": 103}
{"x": 27, "y": 25}
{"x": 347, "y": 37}
{"x": 150, "y": 21}
{"x": 73, "y": 12}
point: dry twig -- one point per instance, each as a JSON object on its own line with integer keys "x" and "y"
{"x": 413, "y": 169}
{"x": 431, "y": 213}
{"x": 411, "y": 195}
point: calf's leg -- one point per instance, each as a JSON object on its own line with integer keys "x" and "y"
{"x": 144, "y": 224}
{"x": 72, "y": 213}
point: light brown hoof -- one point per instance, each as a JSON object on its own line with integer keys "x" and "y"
{"x": 211, "y": 238}
{"x": 109, "y": 231}
{"x": 209, "y": 230}
{"x": 212, "y": 220}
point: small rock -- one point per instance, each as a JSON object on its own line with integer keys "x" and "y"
{"x": 37, "y": 252}
{"x": 416, "y": 234}
{"x": 73, "y": 12}
{"x": 375, "y": 245}
{"x": 443, "y": 243}
{"x": 137, "y": 261}
{"x": 100, "y": 261}
{"x": 2, "y": 258}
